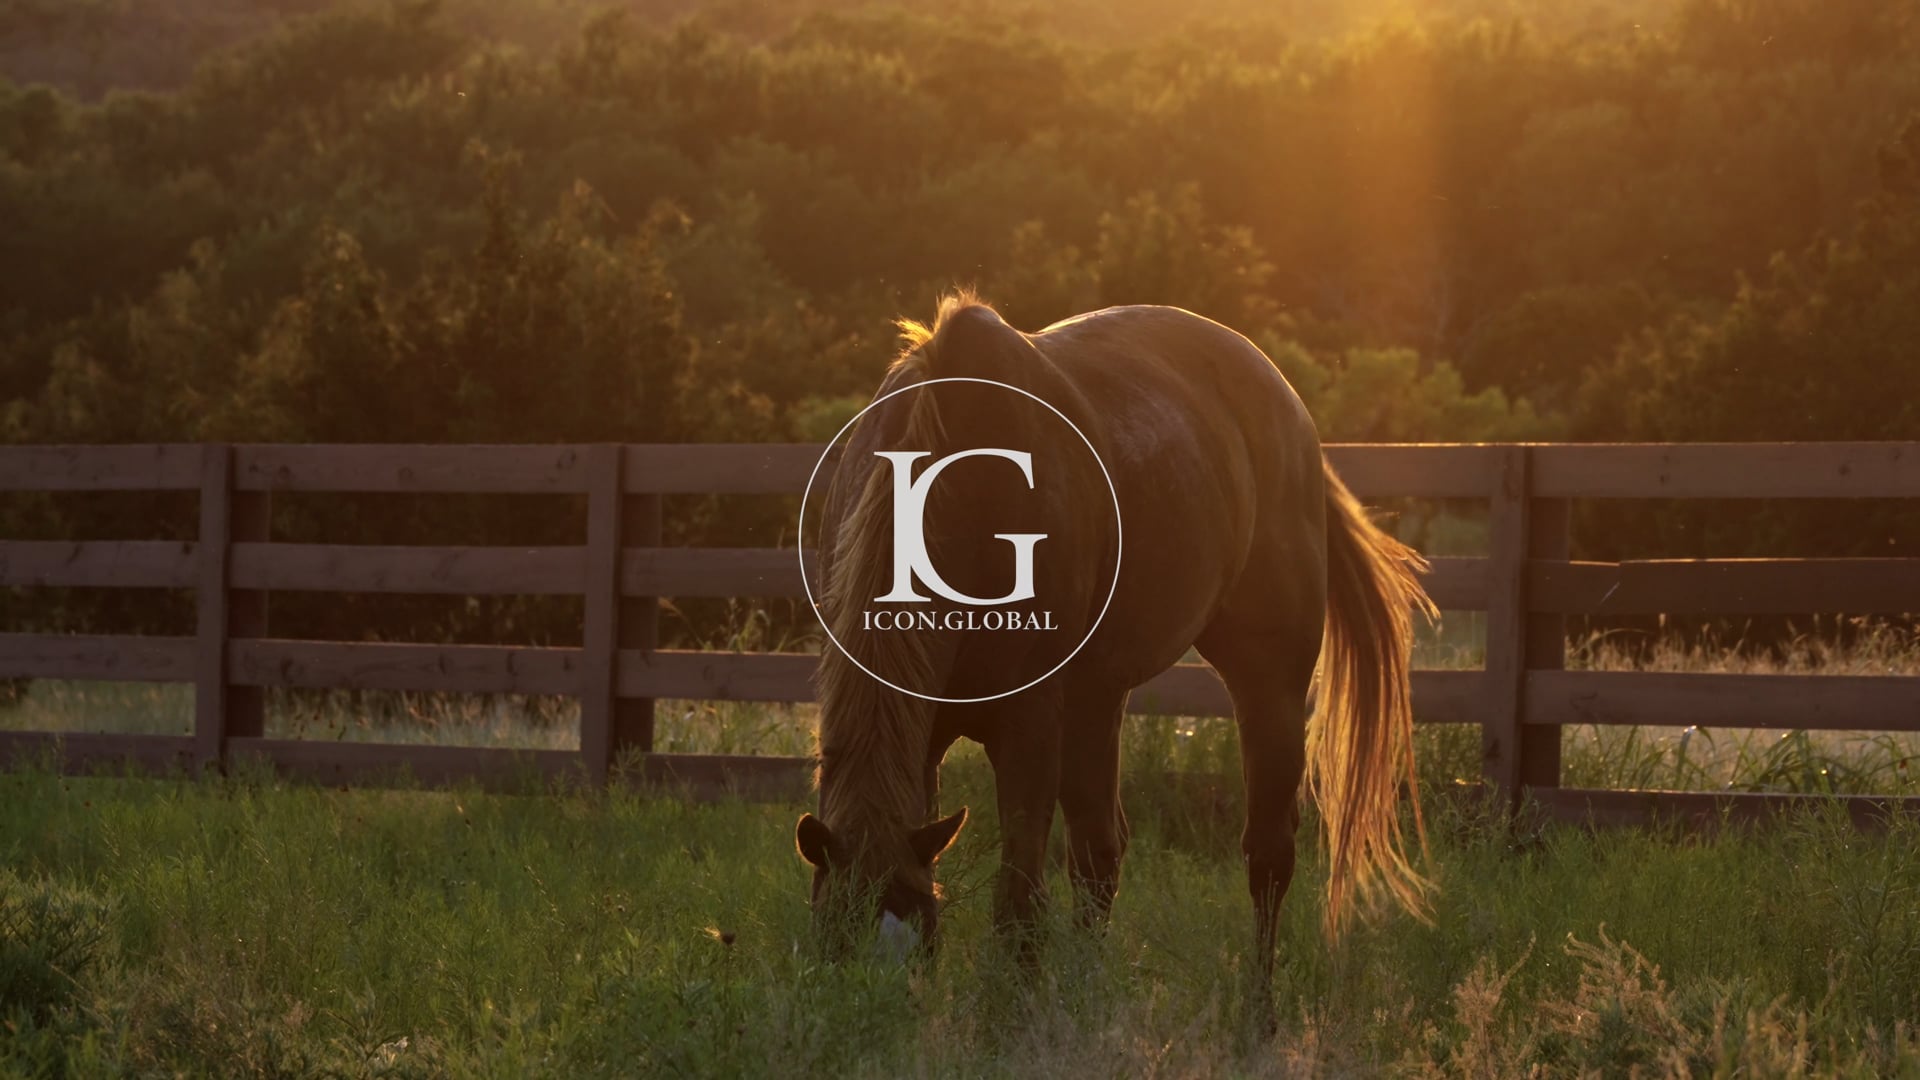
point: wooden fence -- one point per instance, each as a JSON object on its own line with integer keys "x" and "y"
{"x": 1526, "y": 585}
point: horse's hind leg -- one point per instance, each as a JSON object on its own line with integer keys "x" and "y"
{"x": 1090, "y": 799}
{"x": 1268, "y": 675}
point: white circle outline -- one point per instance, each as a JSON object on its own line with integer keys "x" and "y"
{"x": 800, "y": 539}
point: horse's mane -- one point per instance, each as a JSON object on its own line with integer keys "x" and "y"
{"x": 873, "y": 739}
{"x": 916, "y": 335}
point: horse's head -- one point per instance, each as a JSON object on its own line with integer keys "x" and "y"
{"x": 883, "y": 881}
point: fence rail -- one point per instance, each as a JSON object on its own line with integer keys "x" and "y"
{"x": 1527, "y": 585}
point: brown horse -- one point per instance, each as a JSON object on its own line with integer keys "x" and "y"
{"x": 1232, "y": 536}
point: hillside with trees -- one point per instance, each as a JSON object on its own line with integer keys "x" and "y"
{"x": 411, "y": 221}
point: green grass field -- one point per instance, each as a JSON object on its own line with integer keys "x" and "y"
{"x": 249, "y": 927}
{"x": 243, "y": 927}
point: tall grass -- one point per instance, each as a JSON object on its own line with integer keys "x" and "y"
{"x": 243, "y": 927}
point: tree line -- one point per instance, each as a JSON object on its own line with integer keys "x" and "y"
{"x": 388, "y": 222}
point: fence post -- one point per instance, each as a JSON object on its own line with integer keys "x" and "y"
{"x": 220, "y": 709}
{"x": 1548, "y": 538}
{"x": 250, "y": 521}
{"x": 1503, "y": 733}
{"x": 639, "y": 629}
{"x": 599, "y": 686}
{"x": 210, "y": 692}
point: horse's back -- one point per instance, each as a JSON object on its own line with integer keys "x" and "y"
{"x": 1147, "y": 357}
{"x": 1218, "y": 470}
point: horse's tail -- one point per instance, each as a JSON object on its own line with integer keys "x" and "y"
{"x": 1360, "y": 743}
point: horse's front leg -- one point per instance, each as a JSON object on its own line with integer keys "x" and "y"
{"x": 942, "y": 741}
{"x": 1025, "y": 753}
{"x": 1090, "y": 799}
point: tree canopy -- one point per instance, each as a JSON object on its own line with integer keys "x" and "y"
{"x": 1498, "y": 199}
{"x": 1454, "y": 219}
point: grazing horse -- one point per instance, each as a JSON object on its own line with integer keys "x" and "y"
{"x": 1195, "y": 509}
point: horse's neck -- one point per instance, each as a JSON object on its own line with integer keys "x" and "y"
{"x": 873, "y": 751}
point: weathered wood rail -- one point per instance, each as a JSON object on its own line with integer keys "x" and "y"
{"x": 1526, "y": 585}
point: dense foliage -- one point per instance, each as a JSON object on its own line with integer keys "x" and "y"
{"x": 441, "y": 221}
{"x": 371, "y": 222}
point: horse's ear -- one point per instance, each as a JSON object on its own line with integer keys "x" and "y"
{"x": 928, "y": 841}
{"x": 813, "y": 838}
